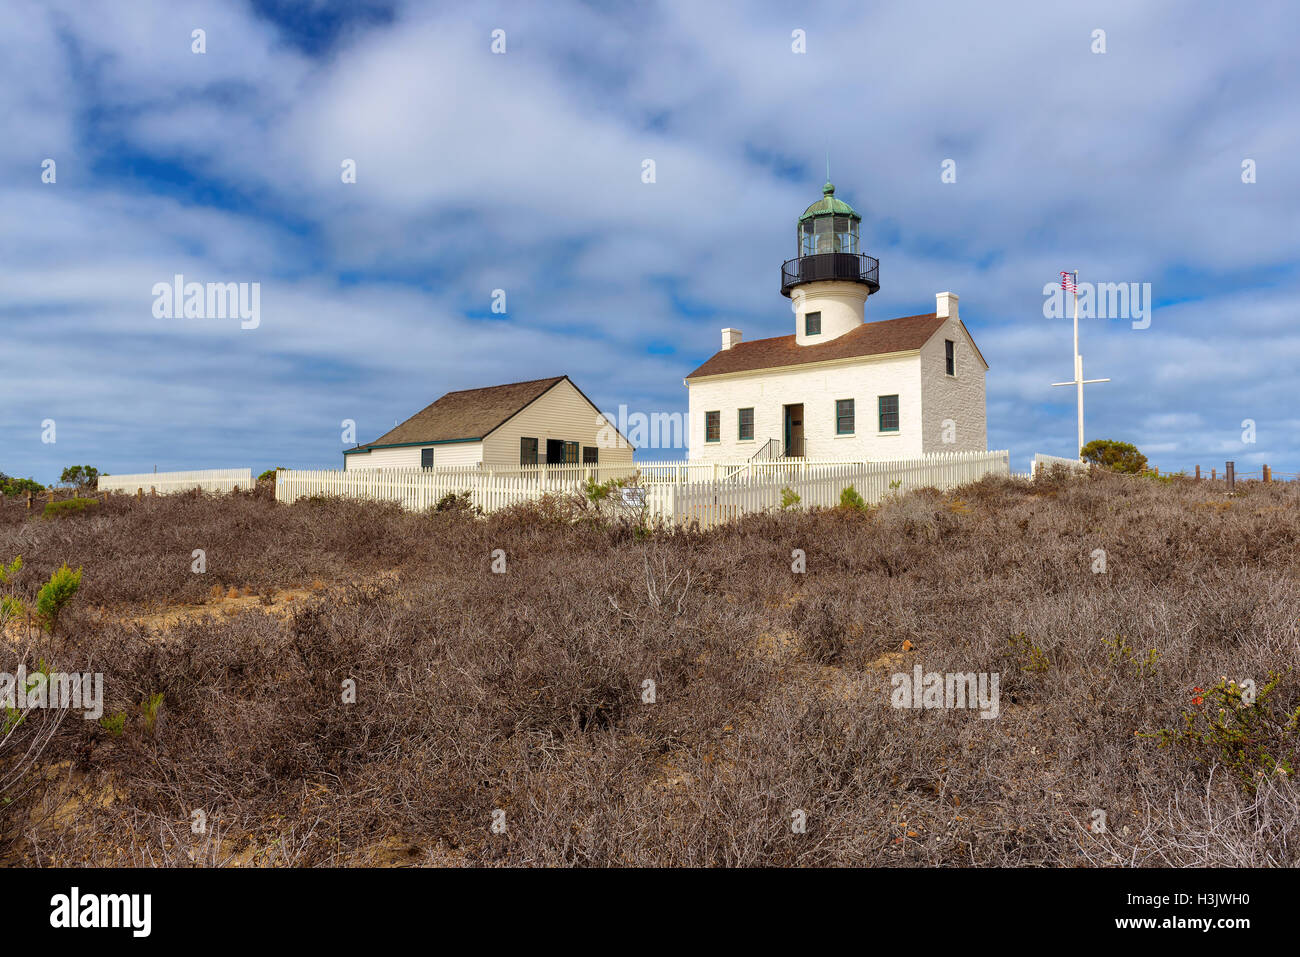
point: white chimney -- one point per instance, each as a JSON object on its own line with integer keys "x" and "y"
{"x": 730, "y": 337}
{"x": 946, "y": 305}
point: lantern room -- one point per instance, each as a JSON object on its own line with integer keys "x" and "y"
{"x": 829, "y": 247}
{"x": 828, "y": 226}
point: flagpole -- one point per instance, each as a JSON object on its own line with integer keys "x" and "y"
{"x": 1078, "y": 363}
{"x": 1078, "y": 381}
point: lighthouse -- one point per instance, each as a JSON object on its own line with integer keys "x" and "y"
{"x": 830, "y": 278}
{"x": 840, "y": 389}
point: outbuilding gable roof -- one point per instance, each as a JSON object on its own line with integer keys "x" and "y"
{"x": 467, "y": 415}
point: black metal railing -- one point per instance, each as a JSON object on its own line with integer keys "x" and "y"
{"x": 854, "y": 267}
{"x": 769, "y": 451}
{"x": 794, "y": 449}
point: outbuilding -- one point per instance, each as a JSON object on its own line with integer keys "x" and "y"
{"x": 539, "y": 422}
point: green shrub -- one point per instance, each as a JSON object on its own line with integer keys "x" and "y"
{"x": 114, "y": 724}
{"x": 69, "y": 506}
{"x": 149, "y": 707}
{"x": 268, "y": 474}
{"x": 1123, "y": 656}
{"x": 12, "y": 719}
{"x": 789, "y": 498}
{"x": 1252, "y": 740}
{"x": 55, "y": 595}
{"x": 849, "y": 498}
{"x": 597, "y": 492}
{"x": 10, "y": 608}
{"x": 614, "y": 492}
{"x": 1166, "y": 479}
{"x": 455, "y": 502}
{"x": 1116, "y": 456}
{"x": 1029, "y": 655}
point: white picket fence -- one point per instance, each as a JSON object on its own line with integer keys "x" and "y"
{"x": 546, "y": 473}
{"x": 709, "y": 502}
{"x": 678, "y": 472}
{"x": 783, "y": 470}
{"x": 419, "y": 488}
{"x": 209, "y": 480}
{"x": 1042, "y": 461}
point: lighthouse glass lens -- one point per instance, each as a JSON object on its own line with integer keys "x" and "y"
{"x": 825, "y": 238}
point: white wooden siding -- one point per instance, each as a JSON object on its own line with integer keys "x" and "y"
{"x": 450, "y": 454}
{"x": 561, "y": 413}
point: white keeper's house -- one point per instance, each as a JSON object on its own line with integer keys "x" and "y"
{"x": 840, "y": 388}
{"x": 539, "y": 422}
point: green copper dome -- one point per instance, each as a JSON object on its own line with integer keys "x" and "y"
{"x": 828, "y": 205}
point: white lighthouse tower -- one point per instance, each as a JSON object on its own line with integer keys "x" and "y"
{"x": 828, "y": 282}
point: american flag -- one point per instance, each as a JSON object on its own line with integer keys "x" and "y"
{"x": 1067, "y": 282}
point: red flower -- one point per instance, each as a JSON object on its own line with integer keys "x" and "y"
{"x": 1197, "y": 700}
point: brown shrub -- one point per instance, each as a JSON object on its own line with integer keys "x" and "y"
{"x": 526, "y": 692}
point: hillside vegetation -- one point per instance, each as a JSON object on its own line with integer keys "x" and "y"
{"x": 505, "y": 718}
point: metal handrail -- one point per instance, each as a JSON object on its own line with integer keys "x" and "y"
{"x": 853, "y": 267}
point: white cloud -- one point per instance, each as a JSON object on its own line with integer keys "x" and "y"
{"x": 523, "y": 172}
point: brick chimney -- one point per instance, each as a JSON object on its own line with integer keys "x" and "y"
{"x": 730, "y": 337}
{"x": 946, "y": 305}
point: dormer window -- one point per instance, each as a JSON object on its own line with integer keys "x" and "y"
{"x": 812, "y": 323}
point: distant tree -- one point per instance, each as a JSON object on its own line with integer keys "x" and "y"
{"x": 1116, "y": 456}
{"x": 82, "y": 476}
{"x": 16, "y": 486}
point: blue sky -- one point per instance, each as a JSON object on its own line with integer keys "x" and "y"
{"x": 522, "y": 171}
